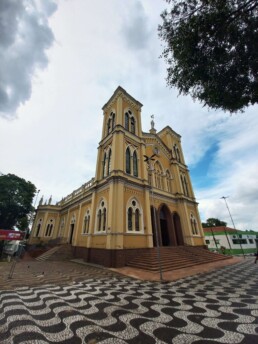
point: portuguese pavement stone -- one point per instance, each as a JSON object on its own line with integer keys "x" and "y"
{"x": 64, "y": 302}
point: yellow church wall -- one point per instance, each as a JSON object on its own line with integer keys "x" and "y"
{"x": 81, "y": 238}
{"x": 99, "y": 240}
{"x": 46, "y": 216}
{"x": 198, "y": 241}
{"x": 135, "y": 241}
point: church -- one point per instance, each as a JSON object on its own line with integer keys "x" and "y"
{"x": 141, "y": 196}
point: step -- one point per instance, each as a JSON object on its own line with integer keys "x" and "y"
{"x": 173, "y": 258}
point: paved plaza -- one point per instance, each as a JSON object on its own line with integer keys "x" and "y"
{"x": 72, "y": 303}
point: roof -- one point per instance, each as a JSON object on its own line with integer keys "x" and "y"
{"x": 171, "y": 130}
{"x": 120, "y": 89}
{"x": 219, "y": 229}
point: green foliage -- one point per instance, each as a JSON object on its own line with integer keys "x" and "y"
{"x": 16, "y": 195}
{"x": 211, "y": 48}
{"x": 213, "y": 222}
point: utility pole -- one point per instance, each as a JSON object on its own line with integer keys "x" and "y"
{"x": 225, "y": 199}
{"x": 148, "y": 160}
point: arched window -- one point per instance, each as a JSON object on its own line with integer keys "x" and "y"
{"x": 104, "y": 214}
{"x": 109, "y": 125}
{"x": 134, "y": 217}
{"x": 186, "y": 186}
{"x": 177, "y": 153}
{"x": 126, "y": 121}
{"x": 158, "y": 174}
{"x": 38, "y": 227}
{"x": 128, "y": 161}
{"x": 194, "y": 225}
{"x": 109, "y": 162}
{"x": 99, "y": 220}
{"x": 49, "y": 228}
{"x": 130, "y": 219}
{"x": 113, "y": 120}
{"x": 183, "y": 183}
{"x": 132, "y": 125}
{"x": 104, "y": 166}
{"x": 135, "y": 164}
{"x": 137, "y": 220}
{"x": 86, "y": 223}
{"x": 168, "y": 179}
{"x": 130, "y": 122}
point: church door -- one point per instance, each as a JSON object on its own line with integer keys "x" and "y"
{"x": 71, "y": 233}
{"x": 164, "y": 226}
{"x": 178, "y": 236}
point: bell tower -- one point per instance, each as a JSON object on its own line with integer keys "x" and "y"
{"x": 121, "y": 140}
{"x": 120, "y": 171}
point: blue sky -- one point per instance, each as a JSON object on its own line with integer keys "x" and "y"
{"x": 62, "y": 60}
{"x": 202, "y": 172}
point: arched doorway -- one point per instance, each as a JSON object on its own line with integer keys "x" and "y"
{"x": 164, "y": 216}
{"x": 178, "y": 236}
{"x": 71, "y": 233}
{"x": 72, "y": 226}
{"x": 154, "y": 216}
{"x": 167, "y": 226}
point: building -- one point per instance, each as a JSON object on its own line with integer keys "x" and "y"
{"x": 232, "y": 240}
{"x": 141, "y": 194}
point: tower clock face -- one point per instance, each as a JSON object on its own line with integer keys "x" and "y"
{"x": 156, "y": 150}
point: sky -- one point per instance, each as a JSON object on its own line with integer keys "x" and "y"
{"x": 60, "y": 62}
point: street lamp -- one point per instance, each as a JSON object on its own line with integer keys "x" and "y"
{"x": 225, "y": 199}
{"x": 148, "y": 160}
{"x": 214, "y": 239}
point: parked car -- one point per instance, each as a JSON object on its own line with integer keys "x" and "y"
{"x": 11, "y": 248}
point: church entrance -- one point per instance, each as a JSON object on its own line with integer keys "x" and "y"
{"x": 71, "y": 233}
{"x": 164, "y": 226}
{"x": 167, "y": 227}
{"x": 177, "y": 230}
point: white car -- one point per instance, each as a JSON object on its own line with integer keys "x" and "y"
{"x": 11, "y": 247}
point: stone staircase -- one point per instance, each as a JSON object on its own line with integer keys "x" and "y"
{"x": 60, "y": 252}
{"x": 173, "y": 258}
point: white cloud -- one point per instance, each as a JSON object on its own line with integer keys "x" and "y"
{"x": 98, "y": 46}
{"x": 25, "y": 36}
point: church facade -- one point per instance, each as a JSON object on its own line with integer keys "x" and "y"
{"x": 141, "y": 195}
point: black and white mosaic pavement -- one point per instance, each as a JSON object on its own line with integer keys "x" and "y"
{"x": 218, "y": 307}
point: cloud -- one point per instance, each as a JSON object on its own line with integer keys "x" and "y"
{"x": 135, "y": 28}
{"x": 235, "y": 169}
{"x": 25, "y": 37}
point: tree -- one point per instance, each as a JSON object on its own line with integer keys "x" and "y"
{"x": 212, "y": 222}
{"x": 211, "y": 48}
{"x": 16, "y": 195}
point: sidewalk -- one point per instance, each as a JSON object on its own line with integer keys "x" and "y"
{"x": 33, "y": 273}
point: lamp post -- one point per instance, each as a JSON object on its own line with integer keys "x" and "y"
{"x": 230, "y": 248}
{"x": 148, "y": 160}
{"x": 214, "y": 239}
{"x": 225, "y": 199}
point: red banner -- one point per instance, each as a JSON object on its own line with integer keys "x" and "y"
{"x": 8, "y": 234}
